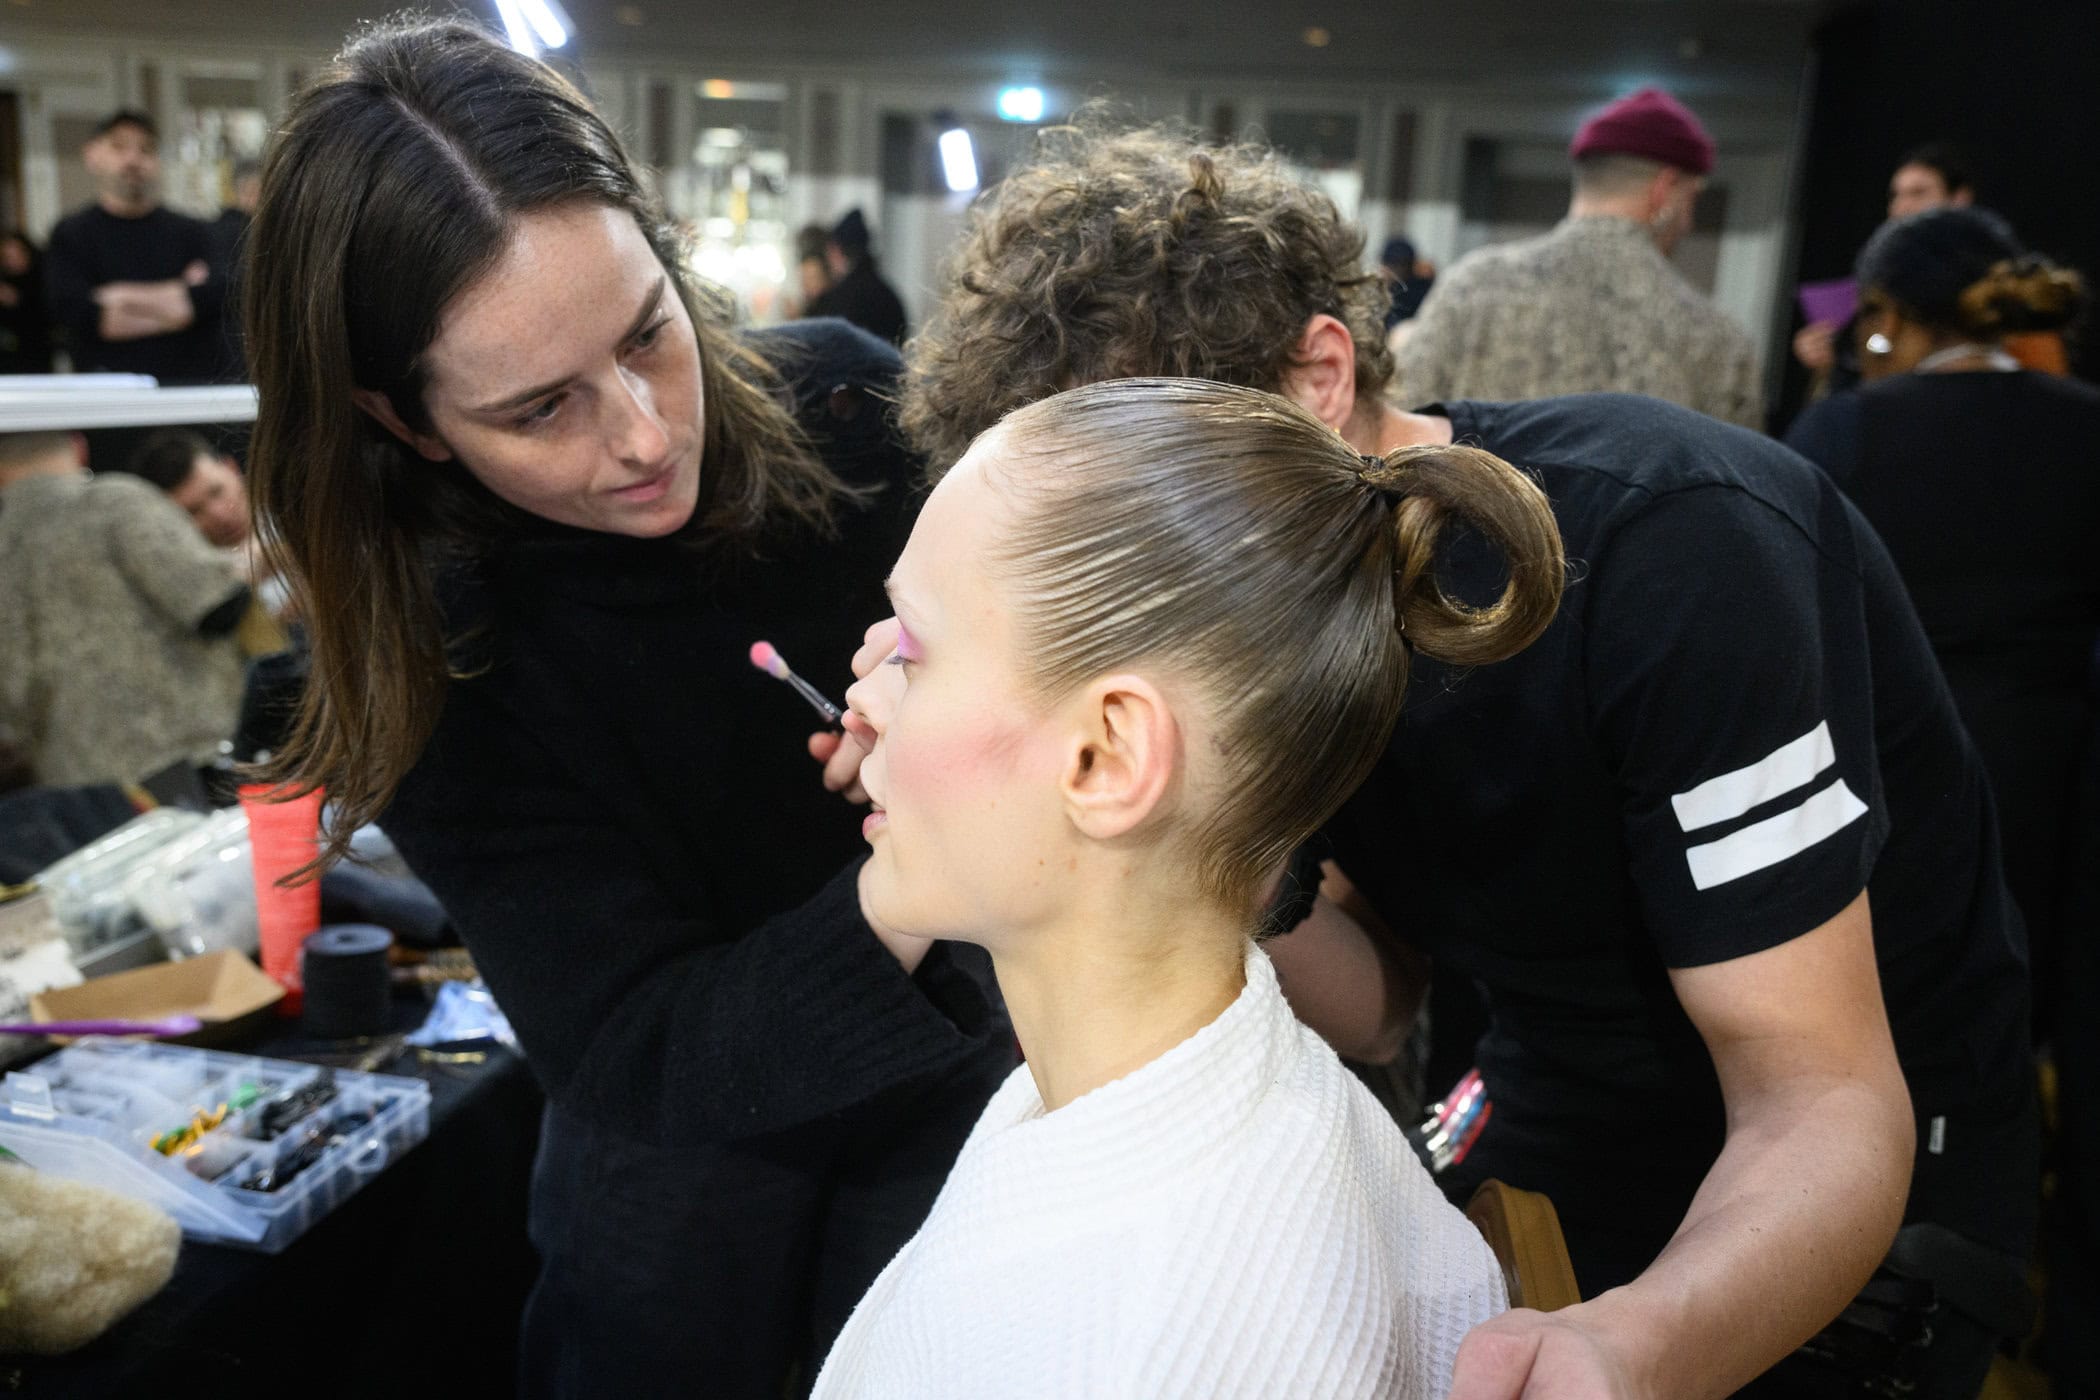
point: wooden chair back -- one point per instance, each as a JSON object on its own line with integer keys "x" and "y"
{"x": 1523, "y": 1230}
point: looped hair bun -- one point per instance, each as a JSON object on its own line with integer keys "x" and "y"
{"x": 2027, "y": 293}
{"x": 1442, "y": 483}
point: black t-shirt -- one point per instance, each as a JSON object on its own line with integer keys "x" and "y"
{"x": 1984, "y": 487}
{"x": 1732, "y": 728}
{"x": 94, "y": 247}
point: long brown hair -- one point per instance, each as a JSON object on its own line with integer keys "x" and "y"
{"x": 393, "y": 185}
{"x": 1231, "y": 536}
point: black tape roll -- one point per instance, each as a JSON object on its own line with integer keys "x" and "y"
{"x": 345, "y": 977}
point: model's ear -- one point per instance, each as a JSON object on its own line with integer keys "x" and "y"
{"x": 375, "y": 406}
{"x": 1322, "y": 376}
{"x": 1125, "y": 749}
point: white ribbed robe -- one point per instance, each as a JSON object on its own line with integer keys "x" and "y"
{"x": 1237, "y": 1218}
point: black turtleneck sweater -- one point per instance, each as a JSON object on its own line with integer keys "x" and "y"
{"x": 621, "y": 817}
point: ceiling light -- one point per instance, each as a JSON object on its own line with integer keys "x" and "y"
{"x": 515, "y": 29}
{"x": 1021, "y": 104}
{"x": 546, "y": 21}
{"x": 1317, "y": 38}
{"x": 958, "y": 160}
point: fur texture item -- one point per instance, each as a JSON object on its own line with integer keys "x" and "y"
{"x": 74, "y": 1259}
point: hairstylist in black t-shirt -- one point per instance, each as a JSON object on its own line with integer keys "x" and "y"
{"x": 1688, "y": 842}
{"x": 537, "y": 508}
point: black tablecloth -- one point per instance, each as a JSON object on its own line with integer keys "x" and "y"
{"x": 413, "y": 1286}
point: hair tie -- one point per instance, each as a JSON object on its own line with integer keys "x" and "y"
{"x": 1391, "y": 495}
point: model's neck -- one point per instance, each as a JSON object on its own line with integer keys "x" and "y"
{"x": 1109, "y": 988}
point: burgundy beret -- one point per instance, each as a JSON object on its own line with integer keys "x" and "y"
{"x": 1650, "y": 124}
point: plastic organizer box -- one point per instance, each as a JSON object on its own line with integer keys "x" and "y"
{"x": 240, "y": 1150}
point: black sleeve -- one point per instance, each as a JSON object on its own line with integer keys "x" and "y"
{"x": 1726, "y": 676}
{"x": 208, "y": 298}
{"x": 69, "y": 283}
{"x": 640, "y": 1014}
{"x": 225, "y": 619}
{"x": 1827, "y": 433}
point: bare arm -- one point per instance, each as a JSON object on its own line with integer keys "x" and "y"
{"x": 1795, "y": 1214}
{"x": 132, "y": 310}
{"x": 1348, "y": 976}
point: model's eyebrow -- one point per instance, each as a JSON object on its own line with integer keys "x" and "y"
{"x": 905, "y": 612}
{"x": 654, "y": 300}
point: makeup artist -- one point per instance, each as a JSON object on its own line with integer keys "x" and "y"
{"x": 537, "y": 506}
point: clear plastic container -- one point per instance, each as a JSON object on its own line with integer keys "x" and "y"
{"x": 260, "y": 1149}
{"x": 86, "y": 887}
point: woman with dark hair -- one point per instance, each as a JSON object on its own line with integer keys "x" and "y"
{"x": 1979, "y": 475}
{"x": 1151, "y": 634}
{"x": 536, "y": 505}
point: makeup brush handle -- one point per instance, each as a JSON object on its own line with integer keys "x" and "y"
{"x": 815, "y": 697}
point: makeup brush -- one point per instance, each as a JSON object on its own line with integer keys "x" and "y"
{"x": 770, "y": 661}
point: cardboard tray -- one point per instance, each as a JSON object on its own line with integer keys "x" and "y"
{"x": 223, "y": 989}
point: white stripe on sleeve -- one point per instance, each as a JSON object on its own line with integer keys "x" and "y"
{"x": 1775, "y": 838}
{"x": 1727, "y": 797}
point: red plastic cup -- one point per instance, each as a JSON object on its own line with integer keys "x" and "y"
{"x": 285, "y": 835}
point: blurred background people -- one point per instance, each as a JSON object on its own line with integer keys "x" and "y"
{"x": 117, "y": 657}
{"x": 134, "y": 283}
{"x": 25, "y": 317}
{"x": 1934, "y": 176}
{"x": 206, "y": 484}
{"x": 227, "y": 233}
{"x": 211, "y": 489}
{"x": 1980, "y": 475}
{"x": 1981, "y": 478}
{"x": 812, "y": 265}
{"x": 1408, "y": 276}
{"x": 1595, "y": 305}
{"x": 858, "y": 291}
{"x": 1930, "y": 177}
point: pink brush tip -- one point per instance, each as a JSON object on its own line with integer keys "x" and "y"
{"x": 768, "y": 660}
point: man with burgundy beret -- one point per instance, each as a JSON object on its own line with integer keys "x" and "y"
{"x": 1594, "y": 305}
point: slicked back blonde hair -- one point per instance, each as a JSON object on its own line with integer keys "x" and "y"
{"x": 1230, "y": 537}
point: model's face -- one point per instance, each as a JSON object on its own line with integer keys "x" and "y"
{"x": 125, "y": 163}
{"x": 1915, "y": 188}
{"x": 969, "y": 833}
{"x": 217, "y": 499}
{"x": 567, "y": 380}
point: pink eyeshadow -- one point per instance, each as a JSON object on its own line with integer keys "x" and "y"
{"x": 907, "y": 646}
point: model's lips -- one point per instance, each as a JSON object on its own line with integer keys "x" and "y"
{"x": 873, "y": 822}
{"x": 649, "y": 488}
